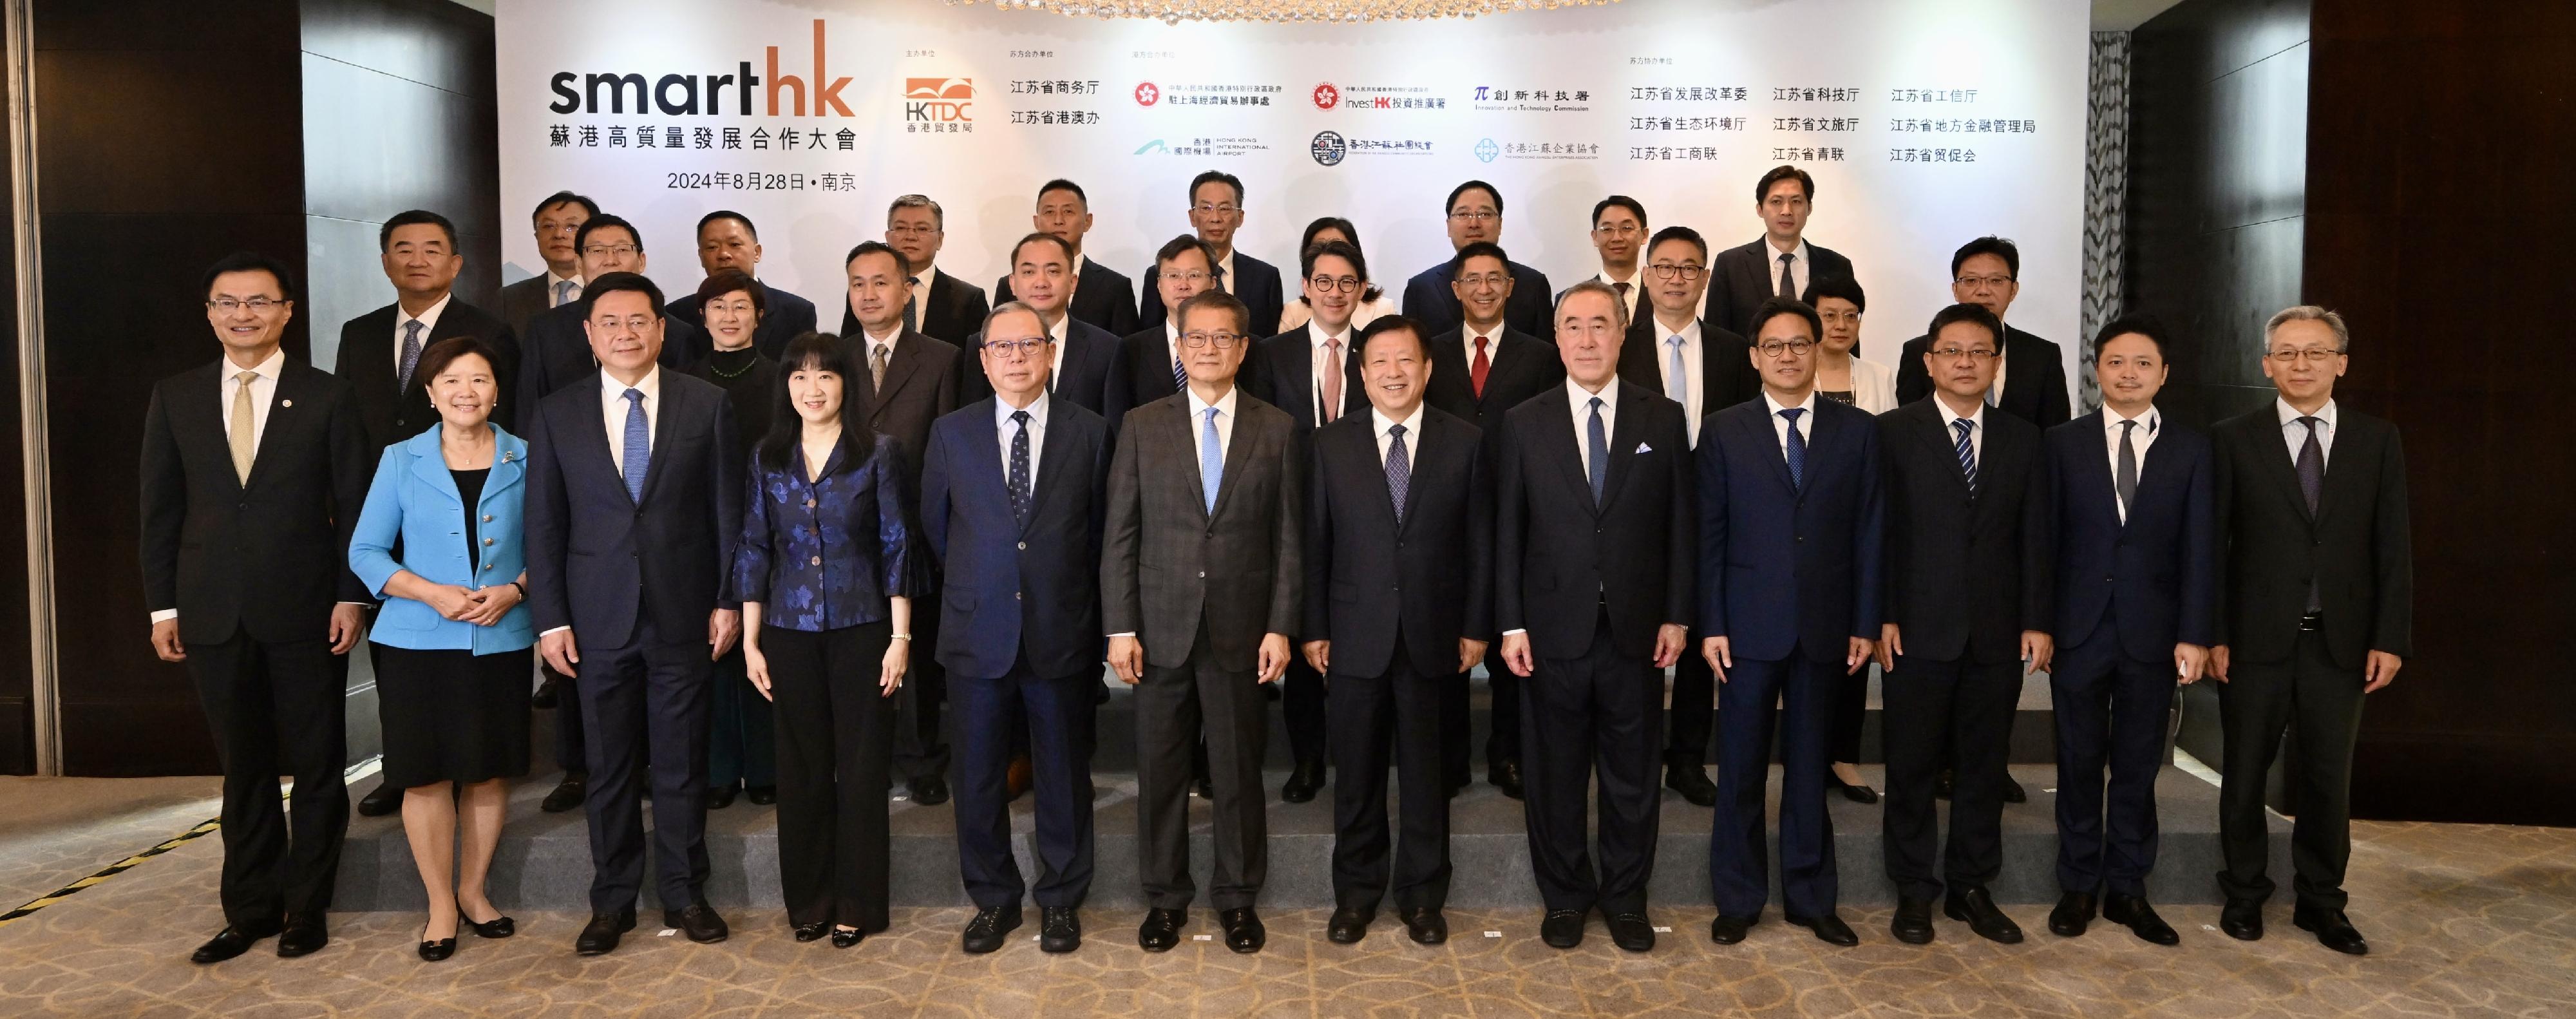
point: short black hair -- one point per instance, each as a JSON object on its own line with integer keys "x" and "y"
{"x": 612, "y": 282}
{"x": 1043, "y": 237}
{"x": 732, "y": 215}
{"x": 1323, "y": 223}
{"x": 1209, "y": 177}
{"x": 901, "y": 264}
{"x": 1776, "y": 306}
{"x": 414, "y": 217}
{"x": 1385, "y": 324}
{"x": 1480, "y": 249}
{"x": 1849, "y": 289}
{"x": 813, "y": 351}
{"x": 1061, "y": 184}
{"x": 1614, "y": 201}
{"x": 604, "y": 221}
{"x": 1178, "y": 246}
{"x": 1473, "y": 185}
{"x": 1343, "y": 250}
{"x": 1784, "y": 171}
{"x": 249, "y": 261}
{"x": 445, "y": 352}
{"x": 726, "y": 281}
{"x": 1973, "y": 314}
{"x": 1678, "y": 233}
{"x": 1988, "y": 245}
{"x": 1220, "y": 300}
{"x": 2140, "y": 323}
{"x": 588, "y": 207}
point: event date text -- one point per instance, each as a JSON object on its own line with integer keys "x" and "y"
{"x": 747, "y": 181}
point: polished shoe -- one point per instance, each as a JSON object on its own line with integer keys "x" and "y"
{"x": 1975, "y": 906}
{"x": 2074, "y": 912}
{"x": 1727, "y": 930}
{"x": 846, "y": 937}
{"x": 2242, "y": 919}
{"x": 1631, "y": 932}
{"x": 566, "y": 795}
{"x": 437, "y": 951}
{"x": 498, "y": 928}
{"x": 1059, "y": 929}
{"x": 1161, "y": 929}
{"x": 1424, "y": 925}
{"x": 699, "y": 922}
{"x": 599, "y": 936}
{"x": 761, "y": 795}
{"x": 1506, "y": 776}
{"x": 1244, "y": 934}
{"x": 2134, "y": 913}
{"x": 1829, "y": 928}
{"x": 2013, "y": 792}
{"x": 927, "y": 790}
{"x": 303, "y": 935}
{"x": 1303, "y": 783}
{"x": 1913, "y": 922}
{"x": 1348, "y": 925}
{"x": 718, "y": 799}
{"x": 2332, "y": 928}
{"x": 380, "y": 801}
{"x": 1850, "y": 791}
{"x": 1691, "y": 780}
{"x": 812, "y": 931}
{"x": 985, "y": 932}
{"x": 231, "y": 942}
{"x": 1561, "y": 928}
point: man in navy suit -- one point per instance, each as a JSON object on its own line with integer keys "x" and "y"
{"x": 727, "y": 240}
{"x": 941, "y": 306}
{"x": 1216, "y": 212}
{"x": 1088, "y": 366}
{"x": 1106, "y": 298}
{"x": 1780, "y": 263}
{"x": 2133, "y": 505}
{"x": 1011, "y": 500}
{"x": 1475, "y": 214}
{"x": 1182, "y": 269}
{"x": 631, "y": 460}
{"x": 2031, "y": 383}
{"x": 1792, "y": 522}
{"x": 556, "y": 350}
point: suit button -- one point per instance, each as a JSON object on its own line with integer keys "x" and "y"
{"x": 487, "y": 518}
{"x": 243, "y": 506}
{"x": 818, "y": 560}
{"x": 2106, "y": 580}
{"x": 1202, "y": 574}
{"x": 1024, "y": 546}
{"x": 487, "y": 542}
{"x": 809, "y": 504}
{"x": 1015, "y": 596}
{"x": 487, "y": 566}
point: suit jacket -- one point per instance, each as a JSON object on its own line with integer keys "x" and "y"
{"x": 1968, "y": 569}
{"x": 523, "y": 301}
{"x": 1284, "y": 377}
{"x": 921, "y": 384}
{"x": 555, "y": 352}
{"x": 267, "y": 557}
{"x": 392, "y": 413}
{"x": 1161, "y": 545}
{"x": 586, "y": 537}
{"x": 1785, "y": 567}
{"x": 1017, "y": 590}
{"x": 1375, "y": 583}
{"x": 822, "y": 554}
{"x": 1094, "y": 375}
{"x": 788, "y": 317}
{"x": 2034, "y": 378}
{"x": 1741, "y": 278}
{"x": 1257, "y": 285}
{"x": 1147, "y": 356}
{"x": 1428, "y": 298}
{"x": 1519, "y": 366}
{"x": 414, "y": 506}
{"x": 2356, "y": 549}
{"x": 950, "y": 311}
{"x": 1726, "y": 375}
{"x": 2157, "y": 573}
{"x": 1548, "y": 578}
{"x": 1102, "y": 296}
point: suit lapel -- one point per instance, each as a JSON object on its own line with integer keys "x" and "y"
{"x": 1624, "y": 431}
{"x": 900, "y": 367}
{"x": 1238, "y": 453}
{"x": 1759, "y": 430}
{"x": 1937, "y": 437}
{"x": 1051, "y": 456}
{"x": 1421, "y": 461}
{"x": 1572, "y": 458}
{"x": 661, "y": 433}
{"x": 2284, "y": 471}
{"x": 281, "y": 419}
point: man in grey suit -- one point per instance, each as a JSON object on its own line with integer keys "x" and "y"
{"x": 1207, "y": 482}
{"x": 557, "y": 219}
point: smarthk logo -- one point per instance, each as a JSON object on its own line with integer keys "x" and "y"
{"x": 681, "y": 94}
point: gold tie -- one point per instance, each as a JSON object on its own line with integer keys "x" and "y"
{"x": 241, "y": 426}
{"x": 877, "y": 368}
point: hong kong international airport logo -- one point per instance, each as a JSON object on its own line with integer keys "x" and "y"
{"x": 1329, "y": 147}
{"x": 1147, "y": 94}
{"x": 938, "y": 105}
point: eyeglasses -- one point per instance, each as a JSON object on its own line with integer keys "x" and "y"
{"x": 1013, "y": 350}
{"x": 1983, "y": 282}
{"x": 1223, "y": 341}
{"x": 1488, "y": 281}
{"x": 1774, "y": 348}
{"x": 605, "y": 250}
{"x": 1621, "y": 230}
{"x": 1192, "y": 276}
{"x": 1975, "y": 355}
{"x": 257, "y": 305}
{"x": 1476, "y": 216}
{"x": 906, "y": 230}
{"x": 2314, "y": 355}
{"x": 1684, "y": 272}
{"x": 632, "y": 323}
{"x": 1345, "y": 284}
{"x": 1214, "y": 210}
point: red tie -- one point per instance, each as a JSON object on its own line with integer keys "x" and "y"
{"x": 1476, "y": 372}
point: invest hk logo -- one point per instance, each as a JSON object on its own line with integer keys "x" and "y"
{"x": 938, "y": 101}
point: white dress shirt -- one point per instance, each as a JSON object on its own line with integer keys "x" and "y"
{"x": 1412, "y": 434}
{"x": 1693, "y": 377}
{"x": 1636, "y": 282}
{"x": 1325, "y": 362}
{"x": 1225, "y": 272}
{"x": 1224, "y": 421}
{"x": 869, "y": 342}
{"x": 2296, "y": 435}
{"x": 1996, "y": 395}
{"x": 2142, "y": 437}
{"x": 428, "y": 324}
{"x": 1172, "y": 338}
{"x": 1976, "y": 428}
{"x": 555, "y": 283}
{"x": 1002, "y": 411}
{"x": 612, "y": 411}
{"x": 1493, "y": 345}
{"x": 926, "y": 272}
{"x": 1055, "y": 340}
{"x": 1579, "y": 400}
{"x": 263, "y": 392}
{"x": 1798, "y": 265}
{"x": 1780, "y": 425}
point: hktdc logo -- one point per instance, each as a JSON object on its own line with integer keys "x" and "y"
{"x": 938, "y": 100}
{"x": 1147, "y": 94}
{"x": 1326, "y": 96}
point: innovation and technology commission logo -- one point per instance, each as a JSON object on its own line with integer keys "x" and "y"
{"x": 1329, "y": 147}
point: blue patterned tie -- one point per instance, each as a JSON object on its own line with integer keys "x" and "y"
{"x": 639, "y": 445}
{"x": 410, "y": 355}
{"x": 1676, "y": 378}
{"x": 1597, "y": 462}
{"x": 1399, "y": 470}
{"x": 1967, "y": 453}
{"x": 1797, "y": 448}
{"x": 1211, "y": 462}
{"x": 565, "y": 292}
{"x": 1180, "y": 379}
{"x": 1020, "y": 467}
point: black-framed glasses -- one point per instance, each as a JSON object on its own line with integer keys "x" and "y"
{"x": 1984, "y": 282}
{"x": 605, "y": 250}
{"x": 1012, "y": 350}
{"x": 1979, "y": 355}
{"x": 1775, "y": 348}
{"x": 1477, "y": 216}
{"x": 1684, "y": 272}
{"x": 1223, "y": 341}
{"x": 1345, "y": 284}
{"x": 257, "y": 305}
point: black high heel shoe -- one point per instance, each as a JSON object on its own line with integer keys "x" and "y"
{"x": 812, "y": 931}
{"x": 1851, "y": 791}
{"x": 846, "y": 938}
{"x": 436, "y": 951}
{"x": 498, "y": 928}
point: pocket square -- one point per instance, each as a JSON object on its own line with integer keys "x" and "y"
{"x": 1643, "y": 448}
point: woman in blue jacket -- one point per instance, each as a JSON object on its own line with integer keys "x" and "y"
{"x": 453, "y": 665}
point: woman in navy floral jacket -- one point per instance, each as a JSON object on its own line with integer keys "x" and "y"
{"x": 824, "y": 572}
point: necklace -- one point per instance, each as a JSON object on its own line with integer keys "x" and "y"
{"x": 734, "y": 374}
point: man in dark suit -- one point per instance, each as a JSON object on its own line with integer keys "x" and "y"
{"x": 1619, "y": 236}
{"x": 1200, "y": 577}
{"x": 2131, "y": 498}
{"x": 1590, "y": 625}
{"x": 1475, "y": 215}
{"x": 727, "y": 240}
{"x": 910, "y": 381}
{"x": 1969, "y": 597}
{"x": 2031, "y": 382}
{"x": 253, "y": 469}
{"x": 636, "y": 459}
{"x": 943, "y": 307}
{"x": 1216, "y": 212}
{"x": 1087, "y": 365}
{"x": 1182, "y": 269}
{"x": 1011, "y": 501}
{"x": 1705, "y": 368}
{"x": 1105, "y": 296}
{"x": 1480, "y": 371}
{"x": 557, "y": 219}
{"x": 555, "y": 350}
{"x": 2316, "y": 611}
{"x": 1399, "y": 541}
{"x": 1780, "y": 263}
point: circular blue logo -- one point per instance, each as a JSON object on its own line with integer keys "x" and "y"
{"x": 1329, "y": 148}
{"x": 1486, "y": 150}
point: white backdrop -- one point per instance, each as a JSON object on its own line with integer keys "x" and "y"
{"x": 1953, "y": 118}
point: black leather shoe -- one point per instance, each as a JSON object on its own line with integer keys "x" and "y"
{"x": 1829, "y": 928}
{"x": 812, "y": 931}
{"x": 2013, "y": 792}
{"x": 500, "y": 927}
{"x": 699, "y": 922}
{"x": 1975, "y": 906}
{"x": 2242, "y": 919}
{"x": 2141, "y": 919}
{"x": 1425, "y": 925}
{"x": 1059, "y": 929}
{"x": 232, "y": 941}
{"x": 1303, "y": 783}
{"x": 1691, "y": 780}
{"x": 761, "y": 795}
{"x": 1631, "y": 932}
{"x": 1349, "y": 925}
{"x": 1562, "y": 928}
{"x": 1243, "y": 931}
{"x": 1161, "y": 929}
{"x": 567, "y": 795}
{"x": 1727, "y": 930}
{"x": 1913, "y": 922}
{"x": 985, "y": 932}
{"x": 1506, "y": 776}
{"x": 2332, "y": 928}
{"x": 599, "y": 936}
{"x": 2074, "y": 912}
{"x": 928, "y": 790}
{"x": 303, "y": 935}
{"x": 847, "y": 937}
{"x": 437, "y": 951}
{"x": 380, "y": 801}
{"x": 1854, "y": 793}
{"x": 718, "y": 799}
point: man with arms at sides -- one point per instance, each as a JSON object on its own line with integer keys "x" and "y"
{"x": 1593, "y": 553}
{"x": 1216, "y": 212}
{"x": 1475, "y": 214}
{"x": 943, "y": 307}
{"x": 1399, "y": 547}
{"x": 2031, "y": 382}
{"x": 908, "y": 380}
{"x": 1969, "y": 599}
{"x": 1105, "y": 296}
{"x": 1153, "y": 355}
{"x": 1012, "y": 500}
{"x": 1705, "y": 368}
{"x": 727, "y": 240}
{"x": 1086, "y": 365}
{"x": 557, "y": 219}
{"x": 556, "y": 352}
{"x": 1619, "y": 235}
{"x": 2132, "y": 503}
{"x": 1780, "y": 263}
{"x": 2307, "y": 628}
{"x": 1200, "y": 575}
{"x": 253, "y": 470}
{"x": 1480, "y": 371}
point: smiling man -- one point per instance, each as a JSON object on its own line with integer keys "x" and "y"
{"x": 556, "y": 350}
{"x": 1780, "y": 263}
{"x": 727, "y": 240}
{"x": 1106, "y": 297}
{"x": 377, "y": 349}
{"x": 1474, "y": 214}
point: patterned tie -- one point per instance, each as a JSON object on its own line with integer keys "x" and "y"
{"x": 1597, "y": 459}
{"x": 566, "y": 292}
{"x": 1399, "y": 471}
{"x": 1211, "y": 462}
{"x": 1788, "y": 283}
{"x": 1332, "y": 380}
{"x": 1797, "y": 449}
{"x": 1676, "y": 377}
{"x": 2312, "y": 483}
{"x": 410, "y": 355}
{"x": 639, "y": 445}
{"x": 1623, "y": 287}
{"x": 1180, "y": 376}
{"x": 2125, "y": 483}
{"x": 912, "y": 306}
{"x": 1967, "y": 453}
{"x": 1020, "y": 467}
{"x": 243, "y": 423}
{"x": 877, "y": 369}
{"x": 1479, "y": 368}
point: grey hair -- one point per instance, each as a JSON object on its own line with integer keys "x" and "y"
{"x": 1594, "y": 286}
{"x": 2310, "y": 313}
{"x": 938, "y": 218}
{"x": 1007, "y": 307}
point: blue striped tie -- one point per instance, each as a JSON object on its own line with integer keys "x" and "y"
{"x": 639, "y": 445}
{"x": 1967, "y": 453}
{"x": 1797, "y": 448}
{"x": 1211, "y": 462}
{"x": 1180, "y": 378}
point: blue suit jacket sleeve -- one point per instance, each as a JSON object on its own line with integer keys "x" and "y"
{"x": 379, "y": 524}
{"x": 547, "y": 507}
{"x": 2198, "y": 621}
{"x": 934, "y": 494}
{"x": 1869, "y": 551}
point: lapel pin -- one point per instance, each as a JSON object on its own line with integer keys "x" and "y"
{"x": 286, "y": 403}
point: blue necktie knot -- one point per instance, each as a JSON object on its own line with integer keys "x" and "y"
{"x": 1796, "y": 448}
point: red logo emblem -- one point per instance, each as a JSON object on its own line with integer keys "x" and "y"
{"x": 1147, "y": 94}
{"x": 1326, "y": 96}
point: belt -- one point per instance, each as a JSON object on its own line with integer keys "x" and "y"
{"x": 2312, "y": 622}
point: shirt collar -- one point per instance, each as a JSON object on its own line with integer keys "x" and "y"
{"x": 1224, "y": 404}
{"x": 1976, "y": 419}
{"x": 2290, "y": 415}
{"x": 1056, "y": 333}
{"x": 1002, "y": 411}
{"x": 1633, "y": 284}
{"x": 1797, "y": 254}
{"x": 1581, "y": 398}
{"x": 650, "y": 385}
{"x": 268, "y": 368}
{"x": 552, "y": 279}
{"x": 2111, "y": 419}
{"x": 428, "y": 319}
{"x": 1688, "y": 333}
{"x": 1315, "y": 335}
{"x": 1808, "y": 404}
{"x": 871, "y": 340}
{"x": 926, "y": 272}
{"x": 1412, "y": 425}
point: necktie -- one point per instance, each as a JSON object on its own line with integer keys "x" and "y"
{"x": 1479, "y": 368}
{"x": 912, "y": 307}
{"x": 1180, "y": 377}
{"x": 1622, "y": 287}
{"x": 1332, "y": 380}
{"x": 242, "y": 424}
{"x": 1020, "y": 467}
{"x": 1788, "y": 283}
{"x": 1399, "y": 470}
{"x": 1211, "y": 462}
{"x": 1967, "y": 453}
{"x": 876, "y": 369}
{"x": 410, "y": 355}
{"x": 566, "y": 292}
{"x": 2312, "y": 483}
{"x": 1217, "y": 276}
{"x": 2125, "y": 482}
{"x": 1796, "y": 448}
{"x": 1676, "y": 377}
{"x": 639, "y": 444}
{"x": 1597, "y": 458}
